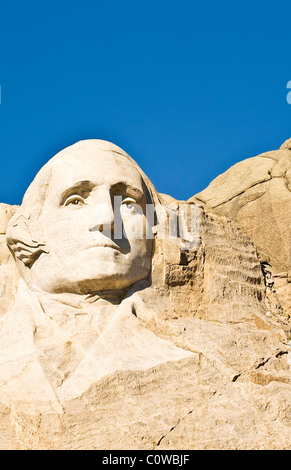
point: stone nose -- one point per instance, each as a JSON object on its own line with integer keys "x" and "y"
{"x": 102, "y": 215}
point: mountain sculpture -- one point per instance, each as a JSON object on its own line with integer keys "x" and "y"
{"x": 131, "y": 320}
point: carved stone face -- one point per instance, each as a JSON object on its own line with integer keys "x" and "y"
{"x": 90, "y": 193}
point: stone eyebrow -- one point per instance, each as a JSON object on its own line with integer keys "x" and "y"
{"x": 81, "y": 188}
{"x": 129, "y": 190}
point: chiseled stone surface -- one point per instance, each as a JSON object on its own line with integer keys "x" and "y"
{"x": 256, "y": 193}
{"x": 125, "y": 343}
{"x": 8, "y": 271}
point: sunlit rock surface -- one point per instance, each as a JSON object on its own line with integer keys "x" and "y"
{"x": 187, "y": 348}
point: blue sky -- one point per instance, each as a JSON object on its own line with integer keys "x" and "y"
{"x": 188, "y": 88}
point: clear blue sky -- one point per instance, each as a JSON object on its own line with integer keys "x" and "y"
{"x": 187, "y": 88}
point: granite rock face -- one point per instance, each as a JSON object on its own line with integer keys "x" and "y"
{"x": 256, "y": 193}
{"x": 196, "y": 355}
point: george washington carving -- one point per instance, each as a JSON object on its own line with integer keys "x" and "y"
{"x": 83, "y": 243}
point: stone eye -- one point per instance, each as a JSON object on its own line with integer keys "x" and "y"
{"x": 74, "y": 200}
{"x": 131, "y": 206}
{"x": 129, "y": 203}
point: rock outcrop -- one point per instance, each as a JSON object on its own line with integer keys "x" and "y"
{"x": 256, "y": 193}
